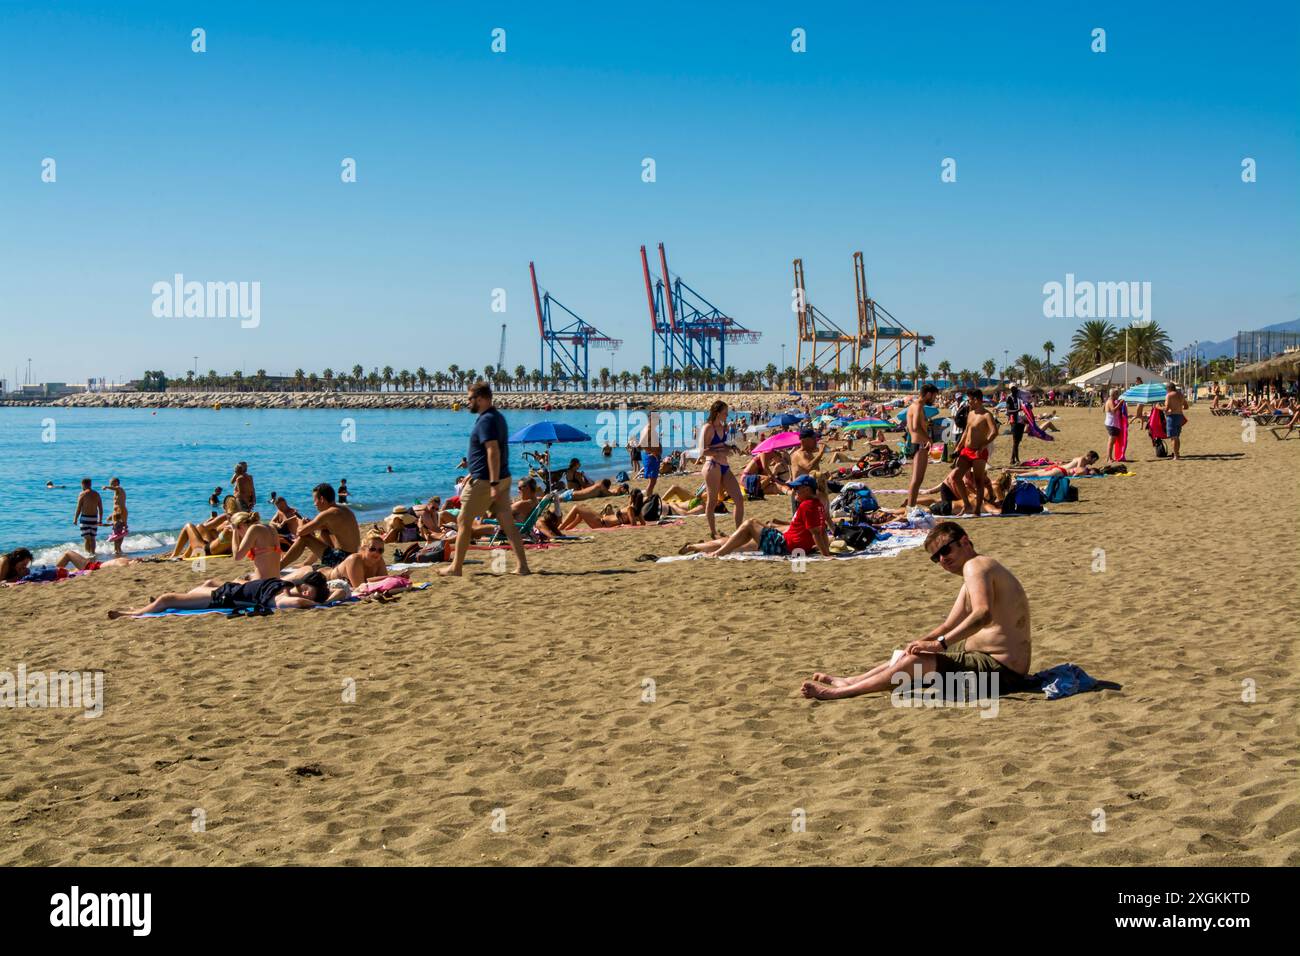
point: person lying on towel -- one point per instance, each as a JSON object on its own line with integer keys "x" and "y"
{"x": 987, "y": 629}
{"x": 266, "y": 594}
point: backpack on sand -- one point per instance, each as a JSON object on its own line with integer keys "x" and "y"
{"x": 652, "y": 508}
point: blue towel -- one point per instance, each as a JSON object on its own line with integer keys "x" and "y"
{"x": 1064, "y": 680}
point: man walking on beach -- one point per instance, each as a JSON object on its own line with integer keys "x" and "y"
{"x": 987, "y": 630}
{"x": 1175, "y": 417}
{"x": 89, "y": 515}
{"x": 487, "y": 489}
{"x": 918, "y": 439}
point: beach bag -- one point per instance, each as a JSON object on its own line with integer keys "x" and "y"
{"x": 941, "y": 508}
{"x": 754, "y": 488}
{"x": 856, "y": 536}
{"x": 861, "y": 506}
{"x": 621, "y": 478}
{"x": 436, "y": 551}
{"x": 1159, "y": 445}
{"x": 652, "y": 508}
{"x": 1024, "y": 498}
{"x": 1058, "y": 489}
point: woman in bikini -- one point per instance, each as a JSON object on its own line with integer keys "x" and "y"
{"x": 713, "y": 453}
{"x": 209, "y": 537}
{"x": 258, "y": 542}
{"x": 1083, "y": 465}
{"x": 609, "y": 518}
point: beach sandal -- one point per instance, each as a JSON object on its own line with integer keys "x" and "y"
{"x": 646, "y": 557}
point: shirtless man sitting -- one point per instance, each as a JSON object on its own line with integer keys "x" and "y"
{"x": 987, "y": 630}
{"x": 330, "y": 536}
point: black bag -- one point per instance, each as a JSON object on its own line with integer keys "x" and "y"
{"x": 1072, "y": 493}
{"x": 856, "y": 536}
{"x": 941, "y": 508}
{"x": 652, "y": 508}
{"x": 1161, "y": 450}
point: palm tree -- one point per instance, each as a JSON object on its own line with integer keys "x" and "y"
{"x": 357, "y": 375}
{"x": 327, "y": 376}
{"x": 298, "y": 376}
{"x": 1148, "y": 345}
{"x": 988, "y": 368}
{"x": 945, "y": 370}
{"x": 1049, "y": 347}
{"x": 1093, "y": 342}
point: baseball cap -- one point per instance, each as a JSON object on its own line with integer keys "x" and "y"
{"x": 803, "y": 481}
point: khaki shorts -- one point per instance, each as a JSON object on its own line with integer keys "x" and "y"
{"x": 960, "y": 659}
{"x": 478, "y": 500}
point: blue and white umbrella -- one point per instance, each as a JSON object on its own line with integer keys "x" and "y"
{"x": 1148, "y": 393}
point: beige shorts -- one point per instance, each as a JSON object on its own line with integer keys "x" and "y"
{"x": 478, "y": 501}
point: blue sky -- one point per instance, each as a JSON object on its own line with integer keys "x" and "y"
{"x": 225, "y": 166}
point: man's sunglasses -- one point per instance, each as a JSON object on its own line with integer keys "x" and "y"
{"x": 943, "y": 552}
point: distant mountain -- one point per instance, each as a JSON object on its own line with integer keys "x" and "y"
{"x": 1228, "y": 347}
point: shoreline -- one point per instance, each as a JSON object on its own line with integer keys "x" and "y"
{"x": 534, "y": 401}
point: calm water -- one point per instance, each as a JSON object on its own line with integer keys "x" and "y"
{"x": 170, "y": 460}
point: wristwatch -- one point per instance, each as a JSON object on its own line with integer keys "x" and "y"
{"x": 943, "y": 641}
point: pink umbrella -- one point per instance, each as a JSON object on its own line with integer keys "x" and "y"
{"x": 778, "y": 441}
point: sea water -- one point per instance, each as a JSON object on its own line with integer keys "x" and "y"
{"x": 170, "y": 461}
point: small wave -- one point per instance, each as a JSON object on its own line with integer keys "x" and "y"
{"x": 143, "y": 543}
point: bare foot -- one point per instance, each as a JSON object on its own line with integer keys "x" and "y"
{"x": 830, "y": 679}
{"x": 522, "y": 571}
{"x": 114, "y": 615}
{"x": 448, "y": 571}
{"x": 685, "y": 549}
{"x": 816, "y": 691}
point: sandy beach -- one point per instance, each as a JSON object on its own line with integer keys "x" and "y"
{"x": 501, "y": 720}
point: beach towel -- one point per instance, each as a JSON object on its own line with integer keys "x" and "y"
{"x": 1032, "y": 426}
{"x": 1063, "y": 680}
{"x": 1121, "y": 443}
{"x": 887, "y": 546}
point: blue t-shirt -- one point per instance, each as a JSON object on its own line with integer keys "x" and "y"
{"x": 491, "y": 426}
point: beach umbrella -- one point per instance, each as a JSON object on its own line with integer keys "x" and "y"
{"x": 547, "y": 433}
{"x": 776, "y": 442}
{"x": 824, "y": 405}
{"x": 867, "y": 423}
{"x": 1148, "y": 393}
{"x": 784, "y": 420}
{"x": 930, "y": 412}
{"x": 841, "y": 420}
{"x": 752, "y": 429}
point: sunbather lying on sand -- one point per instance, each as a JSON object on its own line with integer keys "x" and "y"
{"x": 1083, "y": 465}
{"x": 266, "y": 594}
{"x": 987, "y": 630}
{"x": 601, "y": 489}
{"x": 609, "y": 518}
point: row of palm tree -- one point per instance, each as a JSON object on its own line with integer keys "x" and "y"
{"x": 1094, "y": 343}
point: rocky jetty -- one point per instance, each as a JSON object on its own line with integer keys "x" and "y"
{"x": 183, "y": 398}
